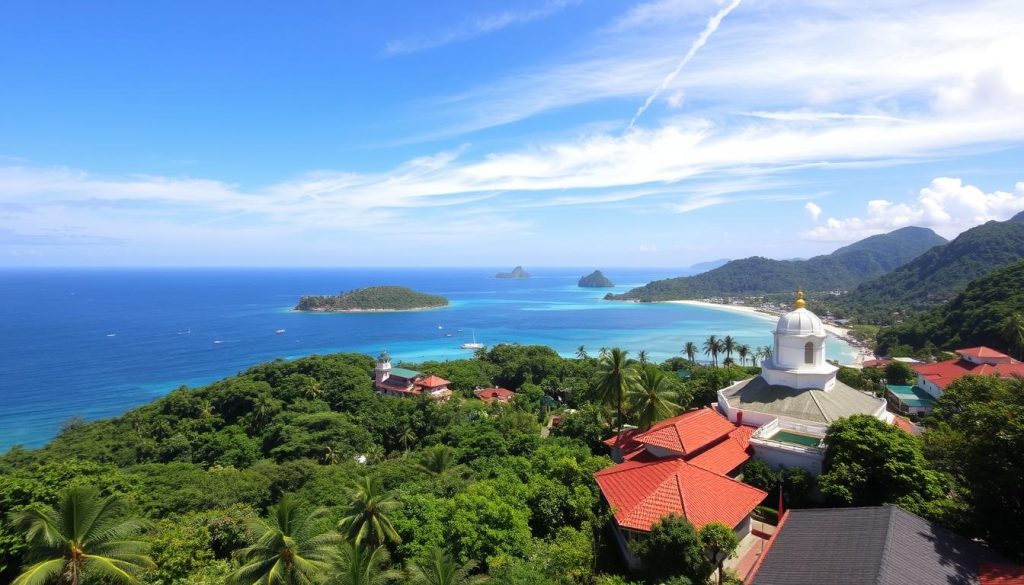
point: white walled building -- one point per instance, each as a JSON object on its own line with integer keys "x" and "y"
{"x": 797, "y": 395}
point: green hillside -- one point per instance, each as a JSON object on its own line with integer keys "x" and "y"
{"x": 977, "y": 316}
{"x": 374, "y": 298}
{"x": 843, "y": 269}
{"x": 939, "y": 274}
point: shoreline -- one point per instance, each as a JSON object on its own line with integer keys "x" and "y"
{"x": 862, "y": 353}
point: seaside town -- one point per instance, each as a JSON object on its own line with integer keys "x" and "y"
{"x": 529, "y": 292}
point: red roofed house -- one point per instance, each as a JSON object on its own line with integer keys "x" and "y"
{"x": 406, "y": 383}
{"x": 934, "y": 378}
{"x": 489, "y": 395}
{"x": 680, "y": 466}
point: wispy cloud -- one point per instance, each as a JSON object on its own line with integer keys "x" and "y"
{"x": 699, "y": 42}
{"x": 478, "y": 26}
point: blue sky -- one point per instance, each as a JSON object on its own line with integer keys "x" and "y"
{"x": 534, "y": 132}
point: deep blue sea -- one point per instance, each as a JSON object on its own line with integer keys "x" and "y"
{"x": 94, "y": 343}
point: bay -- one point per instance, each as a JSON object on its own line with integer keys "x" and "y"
{"x": 94, "y": 343}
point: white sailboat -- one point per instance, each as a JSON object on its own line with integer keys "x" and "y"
{"x": 474, "y": 344}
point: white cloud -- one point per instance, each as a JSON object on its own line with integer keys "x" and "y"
{"x": 478, "y": 26}
{"x": 813, "y": 210}
{"x": 947, "y": 205}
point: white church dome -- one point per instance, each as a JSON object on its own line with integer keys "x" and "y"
{"x": 800, "y": 321}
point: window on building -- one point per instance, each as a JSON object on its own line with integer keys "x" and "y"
{"x": 809, "y": 353}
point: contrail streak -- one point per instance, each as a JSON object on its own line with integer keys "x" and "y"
{"x": 697, "y": 44}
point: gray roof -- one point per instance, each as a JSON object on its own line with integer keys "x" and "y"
{"x": 883, "y": 545}
{"x": 810, "y": 404}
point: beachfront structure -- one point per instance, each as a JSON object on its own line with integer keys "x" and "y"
{"x": 796, "y": 396}
{"x": 685, "y": 465}
{"x": 403, "y": 382}
{"x": 881, "y": 545}
{"x": 933, "y": 379}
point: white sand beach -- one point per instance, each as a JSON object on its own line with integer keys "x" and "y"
{"x": 841, "y": 333}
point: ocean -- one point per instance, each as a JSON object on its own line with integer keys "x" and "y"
{"x": 94, "y": 343}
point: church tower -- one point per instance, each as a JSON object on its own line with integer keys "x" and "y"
{"x": 798, "y": 355}
{"x": 382, "y": 370}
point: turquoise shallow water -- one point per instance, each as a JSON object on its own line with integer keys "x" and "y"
{"x": 94, "y": 343}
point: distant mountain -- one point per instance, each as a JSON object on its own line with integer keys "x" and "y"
{"x": 843, "y": 269}
{"x": 705, "y": 266}
{"x": 939, "y": 274}
{"x": 595, "y": 280}
{"x": 517, "y": 272}
{"x": 974, "y": 317}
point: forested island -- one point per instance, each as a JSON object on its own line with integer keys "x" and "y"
{"x": 517, "y": 272}
{"x": 595, "y": 280}
{"x": 374, "y": 298}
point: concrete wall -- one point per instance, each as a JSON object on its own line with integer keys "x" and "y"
{"x": 780, "y": 456}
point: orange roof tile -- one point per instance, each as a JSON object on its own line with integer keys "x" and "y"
{"x": 983, "y": 352}
{"x": 432, "y": 382}
{"x": 688, "y": 432}
{"x": 642, "y": 493}
{"x": 727, "y": 455}
{"x": 1000, "y": 574}
{"x": 499, "y": 393}
{"x": 942, "y": 374}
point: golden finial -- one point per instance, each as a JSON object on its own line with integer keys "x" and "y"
{"x": 800, "y": 302}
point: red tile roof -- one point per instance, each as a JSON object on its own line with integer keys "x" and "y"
{"x": 983, "y": 352}
{"x": 494, "y": 393}
{"x": 625, "y": 442}
{"x": 642, "y": 493}
{"x": 432, "y": 382}
{"x": 942, "y": 374}
{"x": 727, "y": 455}
{"x": 1000, "y": 574}
{"x": 688, "y": 432}
{"x": 904, "y": 424}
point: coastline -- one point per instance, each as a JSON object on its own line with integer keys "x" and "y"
{"x": 841, "y": 333}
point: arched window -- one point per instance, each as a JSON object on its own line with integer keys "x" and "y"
{"x": 809, "y": 353}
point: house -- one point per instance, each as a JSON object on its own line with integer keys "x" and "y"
{"x": 685, "y": 465}
{"x": 490, "y": 395}
{"x": 403, "y": 382}
{"x": 882, "y": 545}
{"x": 934, "y": 378}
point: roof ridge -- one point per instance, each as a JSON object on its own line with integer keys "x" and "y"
{"x": 887, "y": 544}
{"x": 821, "y": 409}
{"x": 682, "y": 496}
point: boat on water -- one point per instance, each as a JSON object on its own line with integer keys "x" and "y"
{"x": 279, "y": 331}
{"x": 186, "y": 332}
{"x": 473, "y": 344}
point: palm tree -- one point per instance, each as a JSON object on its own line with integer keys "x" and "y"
{"x": 437, "y": 460}
{"x": 743, "y": 351}
{"x": 617, "y": 378}
{"x": 330, "y": 456}
{"x": 441, "y": 569}
{"x": 290, "y": 549}
{"x": 711, "y": 348}
{"x": 358, "y": 564}
{"x": 690, "y": 349}
{"x": 602, "y": 353}
{"x": 83, "y": 539}
{"x": 314, "y": 390}
{"x": 729, "y": 345}
{"x": 728, "y": 362}
{"x": 652, "y": 398}
{"x": 581, "y": 353}
{"x": 367, "y": 516}
{"x": 407, "y": 437}
{"x": 374, "y": 453}
{"x": 755, "y": 355}
{"x": 1013, "y": 332}
{"x": 641, "y": 356}
{"x": 766, "y": 352}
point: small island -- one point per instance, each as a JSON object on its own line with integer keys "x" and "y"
{"x": 374, "y": 298}
{"x": 596, "y": 280}
{"x": 517, "y": 272}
